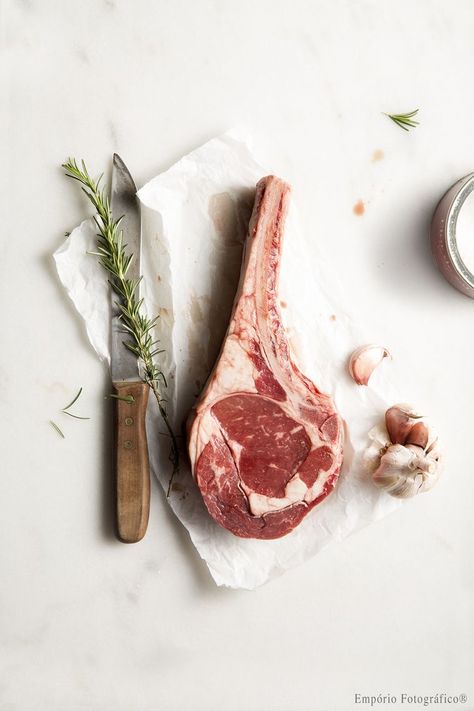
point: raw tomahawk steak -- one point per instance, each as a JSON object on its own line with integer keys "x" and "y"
{"x": 265, "y": 445}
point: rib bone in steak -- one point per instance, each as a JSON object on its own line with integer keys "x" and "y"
{"x": 265, "y": 445}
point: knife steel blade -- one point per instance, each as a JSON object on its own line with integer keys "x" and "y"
{"x": 124, "y": 204}
{"x": 131, "y": 449}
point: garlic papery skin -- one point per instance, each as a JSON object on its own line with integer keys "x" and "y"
{"x": 363, "y": 362}
{"x": 406, "y": 471}
{"x": 407, "y": 467}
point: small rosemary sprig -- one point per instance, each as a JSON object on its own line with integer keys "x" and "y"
{"x": 114, "y": 259}
{"x": 405, "y": 121}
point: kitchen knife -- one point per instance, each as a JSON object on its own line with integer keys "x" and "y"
{"x": 131, "y": 449}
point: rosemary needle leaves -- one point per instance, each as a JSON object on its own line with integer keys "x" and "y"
{"x": 126, "y": 398}
{"x": 65, "y": 410}
{"x": 57, "y": 428}
{"x": 138, "y": 327}
{"x": 405, "y": 121}
{"x": 68, "y": 407}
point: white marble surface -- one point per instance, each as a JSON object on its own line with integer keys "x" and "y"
{"x": 87, "y": 623}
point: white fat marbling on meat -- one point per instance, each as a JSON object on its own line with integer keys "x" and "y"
{"x": 219, "y": 471}
{"x": 234, "y": 372}
{"x": 236, "y": 450}
{"x": 296, "y": 489}
{"x": 259, "y": 504}
{"x": 318, "y": 486}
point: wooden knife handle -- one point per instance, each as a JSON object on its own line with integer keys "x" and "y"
{"x": 132, "y": 465}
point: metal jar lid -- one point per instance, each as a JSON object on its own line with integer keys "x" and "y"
{"x": 443, "y": 236}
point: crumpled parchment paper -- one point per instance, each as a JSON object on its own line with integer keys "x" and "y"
{"x": 194, "y": 222}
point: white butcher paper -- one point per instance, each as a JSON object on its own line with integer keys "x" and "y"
{"x": 194, "y": 221}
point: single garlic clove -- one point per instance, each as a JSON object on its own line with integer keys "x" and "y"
{"x": 363, "y": 362}
{"x": 400, "y": 420}
{"x": 418, "y": 435}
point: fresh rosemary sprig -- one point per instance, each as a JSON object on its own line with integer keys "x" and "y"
{"x": 405, "y": 121}
{"x": 114, "y": 259}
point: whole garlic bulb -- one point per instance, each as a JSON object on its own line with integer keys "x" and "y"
{"x": 404, "y": 456}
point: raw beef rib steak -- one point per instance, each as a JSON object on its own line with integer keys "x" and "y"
{"x": 265, "y": 445}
